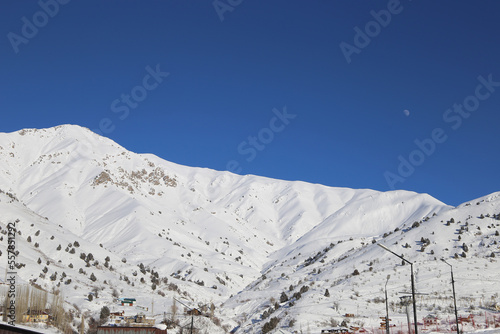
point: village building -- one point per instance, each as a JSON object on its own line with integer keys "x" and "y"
{"x": 116, "y": 317}
{"x": 336, "y": 330}
{"x": 127, "y": 301}
{"x": 130, "y": 330}
{"x": 36, "y": 316}
{"x": 139, "y": 320}
{"x": 430, "y": 320}
{"x": 125, "y": 319}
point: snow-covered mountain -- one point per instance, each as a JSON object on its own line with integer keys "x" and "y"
{"x": 156, "y": 230}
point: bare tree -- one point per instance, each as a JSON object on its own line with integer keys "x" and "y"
{"x": 60, "y": 317}
{"x": 174, "y": 310}
{"x": 22, "y": 301}
{"x": 212, "y": 310}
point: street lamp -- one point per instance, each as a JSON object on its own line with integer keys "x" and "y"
{"x": 387, "y": 307}
{"x": 412, "y": 285}
{"x": 454, "y": 298}
{"x": 405, "y": 300}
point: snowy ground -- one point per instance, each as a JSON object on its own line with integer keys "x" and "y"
{"x": 158, "y": 231}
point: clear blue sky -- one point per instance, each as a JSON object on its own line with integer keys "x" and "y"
{"x": 361, "y": 81}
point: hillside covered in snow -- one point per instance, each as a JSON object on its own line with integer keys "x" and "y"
{"x": 94, "y": 218}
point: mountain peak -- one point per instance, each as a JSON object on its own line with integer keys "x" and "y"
{"x": 209, "y": 234}
{"x": 69, "y": 132}
{"x": 63, "y": 128}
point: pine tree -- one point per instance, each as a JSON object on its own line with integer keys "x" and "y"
{"x": 269, "y": 326}
{"x": 104, "y": 313}
{"x": 283, "y": 298}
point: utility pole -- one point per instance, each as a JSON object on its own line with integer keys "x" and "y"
{"x": 413, "y": 295}
{"x": 412, "y": 285}
{"x": 454, "y": 297}
{"x": 406, "y": 302}
{"x": 387, "y": 307}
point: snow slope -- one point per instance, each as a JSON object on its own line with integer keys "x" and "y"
{"x": 205, "y": 235}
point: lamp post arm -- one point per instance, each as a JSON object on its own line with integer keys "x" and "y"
{"x": 387, "y": 249}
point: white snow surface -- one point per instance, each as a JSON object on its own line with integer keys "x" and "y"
{"x": 238, "y": 242}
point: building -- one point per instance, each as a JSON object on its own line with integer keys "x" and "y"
{"x": 129, "y": 330}
{"x": 117, "y": 314}
{"x": 336, "y": 330}
{"x": 139, "y": 320}
{"x": 127, "y": 301}
{"x": 36, "y": 316}
{"x": 194, "y": 311}
{"x": 430, "y": 320}
{"x": 116, "y": 317}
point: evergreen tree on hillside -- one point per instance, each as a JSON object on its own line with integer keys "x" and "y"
{"x": 104, "y": 313}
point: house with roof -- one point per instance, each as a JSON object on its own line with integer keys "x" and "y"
{"x": 127, "y": 301}
{"x": 116, "y": 317}
{"x": 336, "y": 330}
{"x": 36, "y": 316}
{"x": 130, "y": 330}
{"x": 139, "y": 319}
{"x": 431, "y": 319}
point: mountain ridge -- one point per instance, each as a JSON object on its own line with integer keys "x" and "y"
{"x": 215, "y": 234}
